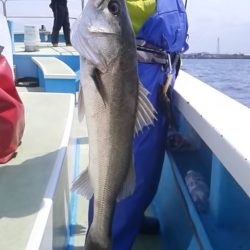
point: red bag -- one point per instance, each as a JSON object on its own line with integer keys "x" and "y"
{"x": 11, "y": 113}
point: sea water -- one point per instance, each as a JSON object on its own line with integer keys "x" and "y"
{"x": 230, "y": 76}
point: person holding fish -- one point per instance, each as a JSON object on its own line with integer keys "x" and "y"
{"x": 124, "y": 70}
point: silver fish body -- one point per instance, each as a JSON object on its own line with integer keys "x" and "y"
{"x": 115, "y": 105}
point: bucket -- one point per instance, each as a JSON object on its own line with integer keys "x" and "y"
{"x": 31, "y": 38}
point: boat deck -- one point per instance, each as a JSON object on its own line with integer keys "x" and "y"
{"x": 46, "y": 48}
{"x": 25, "y": 180}
{"x": 182, "y": 227}
{"x": 34, "y": 186}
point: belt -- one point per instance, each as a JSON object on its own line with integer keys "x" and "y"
{"x": 148, "y": 53}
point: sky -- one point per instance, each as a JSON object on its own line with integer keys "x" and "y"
{"x": 228, "y": 20}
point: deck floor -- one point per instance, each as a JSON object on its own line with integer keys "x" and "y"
{"x": 25, "y": 178}
{"x": 46, "y": 49}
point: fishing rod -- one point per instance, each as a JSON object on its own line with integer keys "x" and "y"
{"x": 4, "y": 7}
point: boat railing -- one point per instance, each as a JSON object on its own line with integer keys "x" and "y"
{"x": 211, "y": 139}
{"x": 221, "y": 122}
{"x": 5, "y": 10}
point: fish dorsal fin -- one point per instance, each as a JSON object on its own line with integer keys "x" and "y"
{"x": 82, "y": 185}
{"x": 145, "y": 110}
{"x": 129, "y": 183}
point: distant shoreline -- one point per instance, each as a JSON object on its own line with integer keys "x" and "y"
{"x": 214, "y": 56}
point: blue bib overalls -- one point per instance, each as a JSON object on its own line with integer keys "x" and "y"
{"x": 149, "y": 146}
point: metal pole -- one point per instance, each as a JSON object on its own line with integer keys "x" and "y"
{"x": 4, "y": 7}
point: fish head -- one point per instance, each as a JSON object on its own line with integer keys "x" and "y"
{"x": 103, "y": 32}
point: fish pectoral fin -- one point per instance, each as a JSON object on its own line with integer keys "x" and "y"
{"x": 82, "y": 185}
{"x": 81, "y": 110}
{"x": 129, "y": 183}
{"x": 96, "y": 76}
{"x": 145, "y": 111}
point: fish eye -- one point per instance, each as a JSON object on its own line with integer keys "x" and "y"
{"x": 114, "y": 7}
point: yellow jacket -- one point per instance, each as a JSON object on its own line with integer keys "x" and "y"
{"x": 140, "y": 11}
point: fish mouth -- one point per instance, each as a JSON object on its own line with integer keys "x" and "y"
{"x": 102, "y": 31}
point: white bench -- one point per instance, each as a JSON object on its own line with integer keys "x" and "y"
{"x": 55, "y": 75}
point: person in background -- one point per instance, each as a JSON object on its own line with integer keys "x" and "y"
{"x": 61, "y": 20}
{"x": 151, "y": 20}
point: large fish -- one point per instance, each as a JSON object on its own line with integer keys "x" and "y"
{"x": 116, "y": 107}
